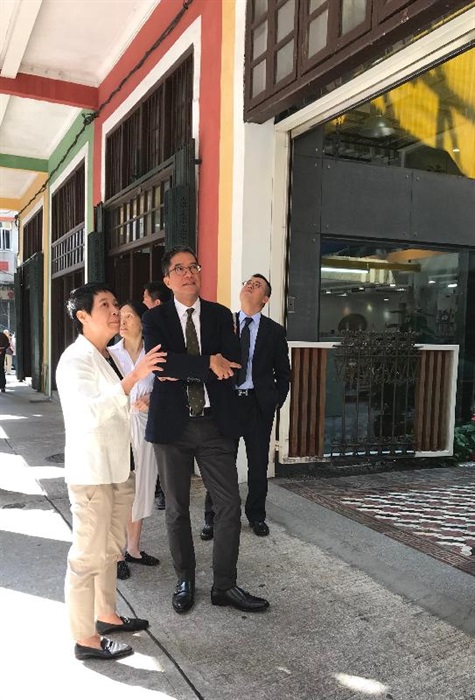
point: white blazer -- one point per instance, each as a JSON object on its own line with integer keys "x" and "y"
{"x": 96, "y": 417}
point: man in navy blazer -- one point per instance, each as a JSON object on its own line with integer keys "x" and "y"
{"x": 193, "y": 414}
{"x": 261, "y": 387}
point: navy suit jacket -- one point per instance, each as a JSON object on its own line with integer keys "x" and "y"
{"x": 270, "y": 366}
{"x": 168, "y": 412}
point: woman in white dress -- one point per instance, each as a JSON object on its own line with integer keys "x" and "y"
{"x": 126, "y": 354}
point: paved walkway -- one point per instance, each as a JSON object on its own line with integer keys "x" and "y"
{"x": 429, "y": 509}
{"x": 354, "y": 614}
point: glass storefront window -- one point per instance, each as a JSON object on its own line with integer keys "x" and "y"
{"x": 424, "y": 124}
{"x": 384, "y": 287}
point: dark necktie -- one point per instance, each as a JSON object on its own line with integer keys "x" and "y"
{"x": 196, "y": 392}
{"x": 245, "y": 347}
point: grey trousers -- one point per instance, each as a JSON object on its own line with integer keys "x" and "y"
{"x": 216, "y": 458}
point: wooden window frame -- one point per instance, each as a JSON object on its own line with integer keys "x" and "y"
{"x": 270, "y": 54}
{"x": 33, "y": 235}
{"x": 335, "y": 40}
{"x": 385, "y": 24}
{"x": 174, "y": 97}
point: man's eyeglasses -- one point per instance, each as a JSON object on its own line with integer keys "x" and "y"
{"x": 253, "y": 284}
{"x": 180, "y": 270}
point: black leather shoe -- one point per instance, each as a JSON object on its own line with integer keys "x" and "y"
{"x": 144, "y": 559}
{"x": 237, "y": 598}
{"x": 123, "y": 571}
{"x": 261, "y": 529}
{"x": 128, "y": 625}
{"x": 109, "y": 650}
{"x": 207, "y": 532}
{"x": 184, "y": 596}
{"x": 161, "y": 501}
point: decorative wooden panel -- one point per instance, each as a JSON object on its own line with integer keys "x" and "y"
{"x": 433, "y": 392}
{"x": 307, "y": 402}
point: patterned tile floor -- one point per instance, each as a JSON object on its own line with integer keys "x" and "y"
{"x": 432, "y": 510}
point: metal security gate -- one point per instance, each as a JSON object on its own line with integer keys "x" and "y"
{"x": 375, "y": 379}
{"x": 369, "y": 396}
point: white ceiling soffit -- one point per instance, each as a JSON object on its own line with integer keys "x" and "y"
{"x": 81, "y": 40}
{"x": 17, "y": 21}
{"x": 14, "y": 183}
{"x": 33, "y": 129}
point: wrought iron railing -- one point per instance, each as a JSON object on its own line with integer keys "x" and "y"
{"x": 67, "y": 253}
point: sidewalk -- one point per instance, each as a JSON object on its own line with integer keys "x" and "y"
{"x": 354, "y": 614}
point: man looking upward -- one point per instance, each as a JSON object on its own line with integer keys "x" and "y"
{"x": 193, "y": 414}
{"x": 262, "y": 386}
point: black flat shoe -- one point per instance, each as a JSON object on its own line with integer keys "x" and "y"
{"x": 144, "y": 559}
{"x": 207, "y": 532}
{"x": 123, "y": 571}
{"x": 133, "y": 624}
{"x": 184, "y": 596}
{"x": 237, "y": 598}
{"x": 109, "y": 650}
{"x": 261, "y": 529}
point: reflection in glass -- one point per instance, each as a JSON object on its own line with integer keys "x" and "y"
{"x": 259, "y": 78}
{"x": 260, "y": 8}
{"x": 314, "y": 4}
{"x": 317, "y": 34}
{"x": 389, "y": 288}
{"x": 284, "y": 61}
{"x": 285, "y": 19}
{"x": 259, "y": 40}
{"x": 424, "y": 124}
{"x": 353, "y": 12}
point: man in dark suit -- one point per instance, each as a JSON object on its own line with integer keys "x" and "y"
{"x": 262, "y": 386}
{"x": 154, "y": 294}
{"x": 193, "y": 414}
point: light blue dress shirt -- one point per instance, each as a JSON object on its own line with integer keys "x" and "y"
{"x": 253, "y": 328}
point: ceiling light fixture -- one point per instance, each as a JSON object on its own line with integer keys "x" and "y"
{"x": 338, "y": 270}
{"x": 453, "y": 284}
{"x": 377, "y": 126}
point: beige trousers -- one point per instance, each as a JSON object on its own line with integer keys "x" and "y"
{"x": 100, "y": 514}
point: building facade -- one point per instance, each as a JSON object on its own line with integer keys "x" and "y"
{"x": 328, "y": 145}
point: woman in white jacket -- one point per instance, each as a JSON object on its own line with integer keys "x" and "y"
{"x": 127, "y": 353}
{"x": 95, "y": 404}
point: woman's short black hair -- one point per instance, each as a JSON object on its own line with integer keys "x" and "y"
{"x": 82, "y": 299}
